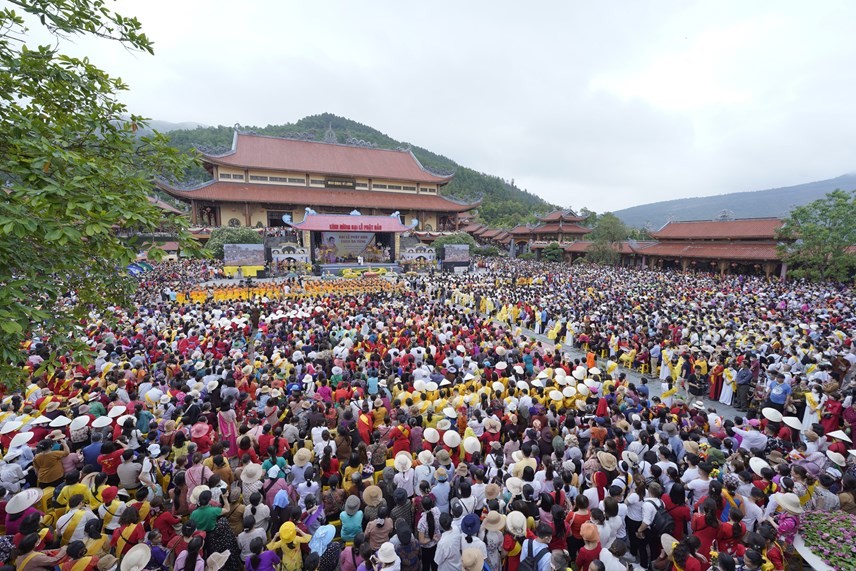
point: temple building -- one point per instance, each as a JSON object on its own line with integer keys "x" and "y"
{"x": 558, "y": 226}
{"x": 268, "y": 181}
{"x": 738, "y": 246}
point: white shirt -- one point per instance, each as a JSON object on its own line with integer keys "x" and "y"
{"x": 610, "y": 562}
{"x": 649, "y": 509}
{"x": 753, "y": 514}
{"x": 77, "y": 534}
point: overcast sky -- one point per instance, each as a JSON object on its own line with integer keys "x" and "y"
{"x": 599, "y": 104}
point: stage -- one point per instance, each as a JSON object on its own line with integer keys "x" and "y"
{"x": 339, "y": 269}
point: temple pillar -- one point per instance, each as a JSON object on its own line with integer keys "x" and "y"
{"x": 247, "y": 214}
{"x": 769, "y": 268}
{"x": 685, "y": 263}
{"x": 193, "y": 212}
{"x": 723, "y": 267}
{"x": 396, "y": 247}
{"x": 307, "y": 243}
{"x": 784, "y": 273}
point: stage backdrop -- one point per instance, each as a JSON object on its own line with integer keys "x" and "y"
{"x": 347, "y": 244}
{"x": 243, "y": 254}
{"x": 456, "y": 253}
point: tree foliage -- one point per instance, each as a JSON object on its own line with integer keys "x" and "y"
{"x": 458, "y": 238}
{"x": 606, "y": 235}
{"x": 552, "y": 252}
{"x": 817, "y": 236}
{"x": 73, "y": 172}
{"x": 231, "y": 235}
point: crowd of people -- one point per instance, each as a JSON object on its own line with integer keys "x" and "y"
{"x": 524, "y": 417}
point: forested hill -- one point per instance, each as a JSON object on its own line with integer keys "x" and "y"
{"x": 503, "y": 203}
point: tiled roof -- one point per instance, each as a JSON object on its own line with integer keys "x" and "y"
{"x": 582, "y": 246}
{"x": 346, "y": 222}
{"x": 320, "y": 197}
{"x": 491, "y": 234}
{"x": 745, "y": 229}
{"x": 566, "y": 215}
{"x": 553, "y": 228}
{"x": 757, "y": 251}
{"x": 470, "y": 228}
{"x": 481, "y": 231}
{"x": 164, "y": 206}
{"x": 273, "y": 153}
{"x": 521, "y": 230}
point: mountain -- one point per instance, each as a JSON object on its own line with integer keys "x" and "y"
{"x": 166, "y": 126}
{"x": 503, "y": 203}
{"x": 774, "y": 202}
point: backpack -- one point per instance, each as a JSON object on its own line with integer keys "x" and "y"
{"x": 530, "y": 563}
{"x": 663, "y": 521}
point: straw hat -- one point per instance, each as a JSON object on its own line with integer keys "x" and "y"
{"x": 21, "y": 438}
{"x": 515, "y": 523}
{"x": 426, "y": 458}
{"x": 79, "y": 422}
{"x": 472, "y": 559}
{"x": 501, "y": 366}
{"x": 498, "y": 387}
{"x": 194, "y": 495}
{"x": 11, "y": 426}
{"x": 757, "y": 464}
{"x": 579, "y": 374}
{"x": 106, "y": 562}
{"x": 789, "y": 502}
{"x": 136, "y": 558}
{"x": 594, "y": 371}
{"x": 630, "y": 458}
{"x": 372, "y": 495}
{"x": 302, "y": 457}
{"x": 793, "y": 422}
{"x": 494, "y": 521}
{"x": 607, "y": 461}
{"x": 518, "y": 369}
{"x": 692, "y": 447}
{"x": 56, "y": 435}
{"x": 22, "y": 500}
{"x": 41, "y": 420}
{"x": 117, "y": 411}
{"x": 252, "y": 472}
{"x": 492, "y": 425}
{"x": 386, "y": 553}
{"x": 52, "y": 406}
{"x": 839, "y": 434}
{"x": 431, "y": 435}
{"x": 583, "y": 390}
{"x": 217, "y": 560}
{"x": 492, "y": 491}
{"x": 450, "y": 412}
{"x": 521, "y": 385}
{"x": 102, "y": 422}
{"x": 771, "y": 414}
{"x": 472, "y": 444}
{"x": 569, "y": 392}
{"x": 670, "y": 428}
{"x": 515, "y": 486}
{"x": 557, "y": 395}
{"x": 836, "y": 458}
{"x": 668, "y": 542}
{"x": 452, "y": 439}
{"x": 443, "y": 458}
{"x": 403, "y": 460}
